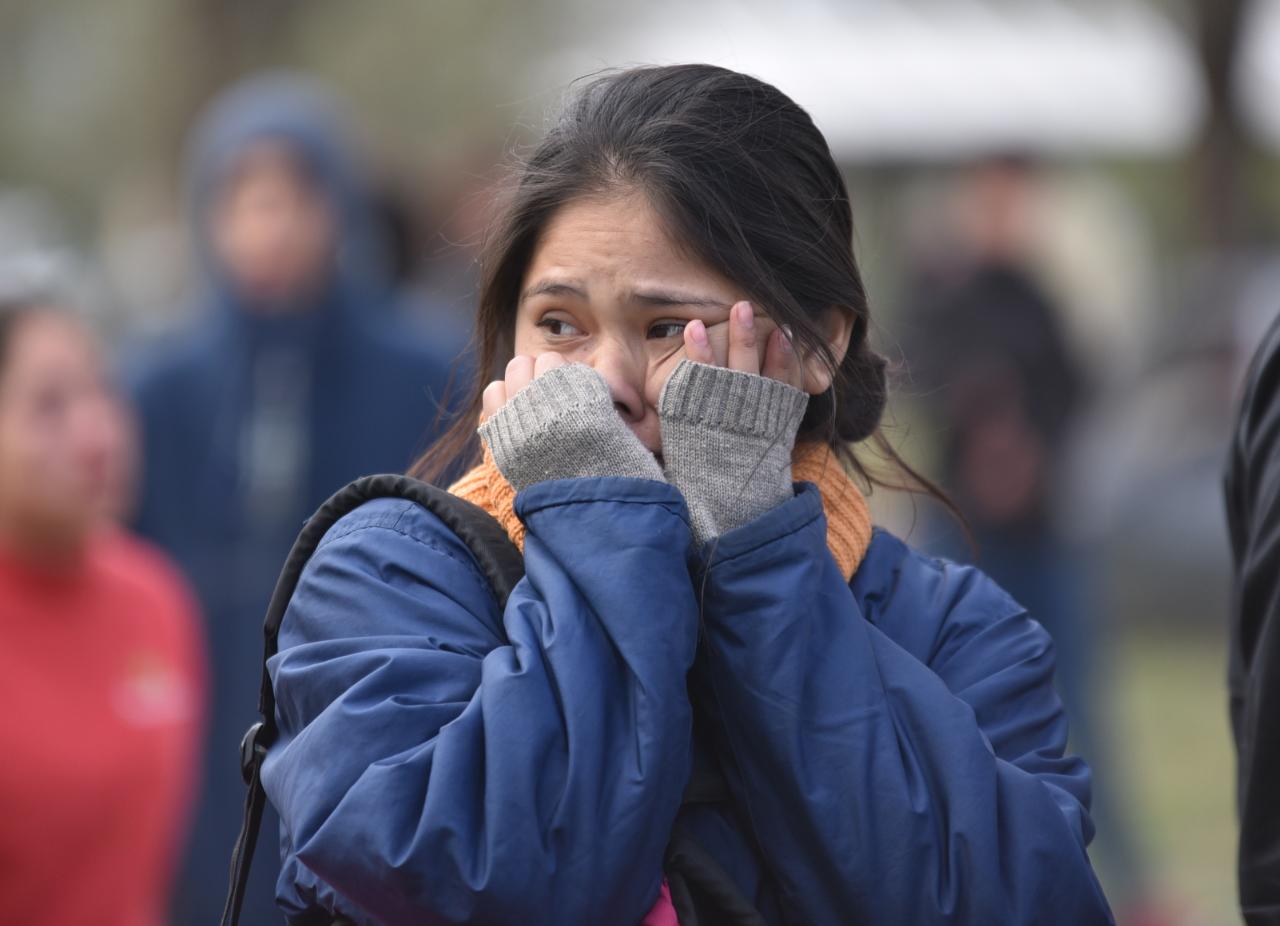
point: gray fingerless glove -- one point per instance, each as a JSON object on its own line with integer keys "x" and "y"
{"x": 727, "y": 438}
{"x": 563, "y": 426}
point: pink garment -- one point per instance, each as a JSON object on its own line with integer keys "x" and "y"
{"x": 663, "y": 912}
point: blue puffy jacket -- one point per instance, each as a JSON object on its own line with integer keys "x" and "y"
{"x": 893, "y": 745}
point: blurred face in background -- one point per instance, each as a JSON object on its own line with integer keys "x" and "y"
{"x": 274, "y": 232}
{"x": 995, "y": 209}
{"x": 66, "y": 442}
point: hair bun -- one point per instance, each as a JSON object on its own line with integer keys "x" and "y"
{"x": 869, "y": 390}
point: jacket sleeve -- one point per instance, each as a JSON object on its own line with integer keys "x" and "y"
{"x": 880, "y": 788}
{"x": 440, "y": 761}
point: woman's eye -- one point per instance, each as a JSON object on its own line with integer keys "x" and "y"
{"x": 558, "y": 327}
{"x": 664, "y": 330}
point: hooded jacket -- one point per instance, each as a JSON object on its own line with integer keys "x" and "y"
{"x": 250, "y": 420}
{"x": 892, "y": 745}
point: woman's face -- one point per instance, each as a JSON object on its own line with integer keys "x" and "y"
{"x": 65, "y": 440}
{"x": 608, "y": 287}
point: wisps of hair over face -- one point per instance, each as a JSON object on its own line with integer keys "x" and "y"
{"x": 746, "y": 182}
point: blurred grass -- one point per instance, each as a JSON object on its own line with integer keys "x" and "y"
{"x": 1173, "y": 745}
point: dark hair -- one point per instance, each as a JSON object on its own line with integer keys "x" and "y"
{"x": 746, "y": 182}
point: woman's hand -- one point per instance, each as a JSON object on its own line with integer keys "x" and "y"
{"x": 729, "y": 413}
{"x": 520, "y": 372}
{"x": 551, "y": 419}
{"x": 747, "y": 344}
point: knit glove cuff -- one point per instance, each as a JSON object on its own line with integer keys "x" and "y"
{"x": 727, "y": 438}
{"x": 563, "y": 426}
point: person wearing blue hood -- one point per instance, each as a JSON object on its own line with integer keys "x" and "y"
{"x": 296, "y": 378}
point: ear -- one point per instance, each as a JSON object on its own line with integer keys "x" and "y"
{"x": 838, "y": 324}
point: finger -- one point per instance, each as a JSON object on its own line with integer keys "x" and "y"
{"x": 495, "y": 396}
{"x": 519, "y": 373}
{"x": 718, "y": 336}
{"x": 744, "y": 354}
{"x": 697, "y": 346}
{"x": 780, "y": 361}
{"x": 547, "y": 361}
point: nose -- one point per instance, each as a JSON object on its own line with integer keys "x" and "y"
{"x": 623, "y": 369}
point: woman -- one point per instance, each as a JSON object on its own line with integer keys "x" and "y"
{"x": 100, "y": 663}
{"x": 674, "y": 295}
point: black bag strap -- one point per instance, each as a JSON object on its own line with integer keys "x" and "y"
{"x": 499, "y": 560}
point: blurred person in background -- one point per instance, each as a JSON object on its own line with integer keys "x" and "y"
{"x": 296, "y": 378}
{"x": 101, "y": 670}
{"x": 988, "y": 352}
{"x": 1253, "y": 520}
{"x": 993, "y": 369}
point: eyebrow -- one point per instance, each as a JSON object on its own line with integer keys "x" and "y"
{"x": 554, "y": 288}
{"x": 666, "y": 297}
{"x": 647, "y": 296}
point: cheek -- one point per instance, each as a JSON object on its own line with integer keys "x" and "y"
{"x": 317, "y": 236}
{"x": 31, "y": 465}
{"x": 660, "y": 369}
{"x": 525, "y": 341}
{"x": 48, "y": 458}
{"x": 244, "y": 245}
{"x": 12, "y": 457}
{"x": 529, "y": 340}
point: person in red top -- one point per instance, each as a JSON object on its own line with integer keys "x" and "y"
{"x": 101, "y": 668}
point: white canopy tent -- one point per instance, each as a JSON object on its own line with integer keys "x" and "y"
{"x": 935, "y": 79}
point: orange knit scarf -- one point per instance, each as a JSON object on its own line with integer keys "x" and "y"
{"x": 848, "y": 519}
